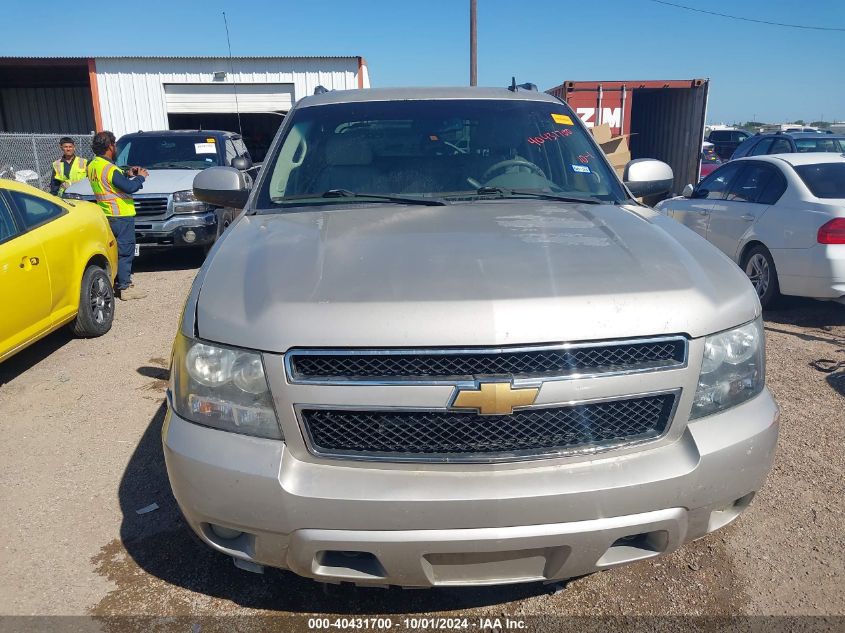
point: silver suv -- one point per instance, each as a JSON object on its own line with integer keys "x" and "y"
{"x": 444, "y": 345}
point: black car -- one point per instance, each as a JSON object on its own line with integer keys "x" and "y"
{"x": 789, "y": 143}
{"x": 726, "y": 141}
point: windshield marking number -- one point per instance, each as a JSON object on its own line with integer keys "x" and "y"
{"x": 554, "y": 135}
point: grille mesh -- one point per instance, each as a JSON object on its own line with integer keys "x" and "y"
{"x": 150, "y": 206}
{"x": 537, "y": 362}
{"x": 451, "y": 436}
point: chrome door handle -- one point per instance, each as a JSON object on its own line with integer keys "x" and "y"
{"x": 747, "y": 217}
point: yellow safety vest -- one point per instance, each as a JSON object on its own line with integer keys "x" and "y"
{"x": 112, "y": 201}
{"x": 78, "y": 170}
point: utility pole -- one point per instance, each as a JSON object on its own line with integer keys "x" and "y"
{"x": 473, "y": 43}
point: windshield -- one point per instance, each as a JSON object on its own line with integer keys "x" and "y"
{"x": 822, "y": 144}
{"x": 435, "y": 148}
{"x": 824, "y": 180}
{"x": 168, "y": 152}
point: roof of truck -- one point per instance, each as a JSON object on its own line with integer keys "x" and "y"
{"x": 181, "y": 133}
{"x": 413, "y": 94}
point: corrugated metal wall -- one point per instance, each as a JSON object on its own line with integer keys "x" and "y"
{"x": 668, "y": 125}
{"x": 132, "y": 95}
{"x": 46, "y": 110}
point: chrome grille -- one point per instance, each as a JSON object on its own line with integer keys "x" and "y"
{"x": 540, "y": 361}
{"x": 151, "y": 206}
{"x": 447, "y": 436}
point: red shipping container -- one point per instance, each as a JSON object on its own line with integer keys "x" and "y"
{"x": 664, "y": 118}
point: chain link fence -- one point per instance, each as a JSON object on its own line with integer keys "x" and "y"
{"x": 29, "y": 157}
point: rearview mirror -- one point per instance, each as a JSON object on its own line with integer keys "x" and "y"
{"x": 221, "y": 187}
{"x": 648, "y": 177}
{"x": 688, "y": 191}
{"x": 241, "y": 163}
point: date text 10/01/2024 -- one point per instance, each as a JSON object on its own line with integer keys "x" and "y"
{"x": 485, "y": 625}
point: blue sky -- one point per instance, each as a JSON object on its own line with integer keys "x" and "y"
{"x": 771, "y": 73}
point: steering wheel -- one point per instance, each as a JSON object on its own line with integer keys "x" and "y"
{"x": 514, "y": 162}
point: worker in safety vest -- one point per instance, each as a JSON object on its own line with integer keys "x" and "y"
{"x": 113, "y": 190}
{"x": 69, "y": 169}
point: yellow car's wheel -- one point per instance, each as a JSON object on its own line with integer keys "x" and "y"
{"x": 96, "y": 304}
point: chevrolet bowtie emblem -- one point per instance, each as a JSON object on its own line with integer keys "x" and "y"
{"x": 494, "y": 398}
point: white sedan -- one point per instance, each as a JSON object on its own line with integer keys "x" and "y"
{"x": 780, "y": 217}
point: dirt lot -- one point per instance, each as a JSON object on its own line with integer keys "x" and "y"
{"x": 81, "y": 453}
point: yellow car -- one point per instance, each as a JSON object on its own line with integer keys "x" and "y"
{"x": 58, "y": 259}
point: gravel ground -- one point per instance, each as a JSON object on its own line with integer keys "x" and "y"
{"x": 81, "y": 422}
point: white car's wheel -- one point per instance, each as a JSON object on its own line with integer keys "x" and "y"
{"x": 760, "y": 268}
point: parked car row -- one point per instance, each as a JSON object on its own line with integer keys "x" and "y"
{"x": 734, "y": 143}
{"x": 789, "y": 143}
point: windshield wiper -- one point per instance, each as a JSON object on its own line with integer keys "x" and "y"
{"x": 345, "y": 193}
{"x": 502, "y": 192}
{"x": 171, "y": 166}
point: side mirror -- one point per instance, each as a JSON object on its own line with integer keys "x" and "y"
{"x": 221, "y": 187}
{"x": 241, "y": 163}
{"x": 688, "y": 191}
{"x": 648, "y": 177}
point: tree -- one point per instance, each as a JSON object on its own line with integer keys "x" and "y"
{"x": 821, "y": 124}
{"x": 799, "y": 122}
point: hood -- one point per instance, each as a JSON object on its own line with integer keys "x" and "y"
{"x": 483, "y": 273}
{"x": 160, "y": 181}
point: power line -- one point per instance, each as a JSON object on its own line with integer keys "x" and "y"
{"x": 736, "y": 17}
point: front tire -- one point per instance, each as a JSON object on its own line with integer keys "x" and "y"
{"x": 96, "y": 304}
{"x": 760, "y": 268}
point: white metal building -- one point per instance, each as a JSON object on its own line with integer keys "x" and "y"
{"x": 127, "y": 94}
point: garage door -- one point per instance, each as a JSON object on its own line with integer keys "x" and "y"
{"x": 199, "y": 98}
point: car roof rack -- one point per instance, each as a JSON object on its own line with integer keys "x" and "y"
{"x": 526, "y": 86}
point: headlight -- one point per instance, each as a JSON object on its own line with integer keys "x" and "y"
{"x": 184, "y": 196}
{"x": 222, "y": 387}
{"x": 733, "y": 369}
{"x": 185, "y": 202}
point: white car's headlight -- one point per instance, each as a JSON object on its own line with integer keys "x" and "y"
{"x": 185, "y": 202}
{"x": 223, "y": 388}
{"x": 733, "y": 369}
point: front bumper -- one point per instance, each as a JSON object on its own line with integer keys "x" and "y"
{"x": 178, "y": 230}
{"x": 376, "y": 525}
